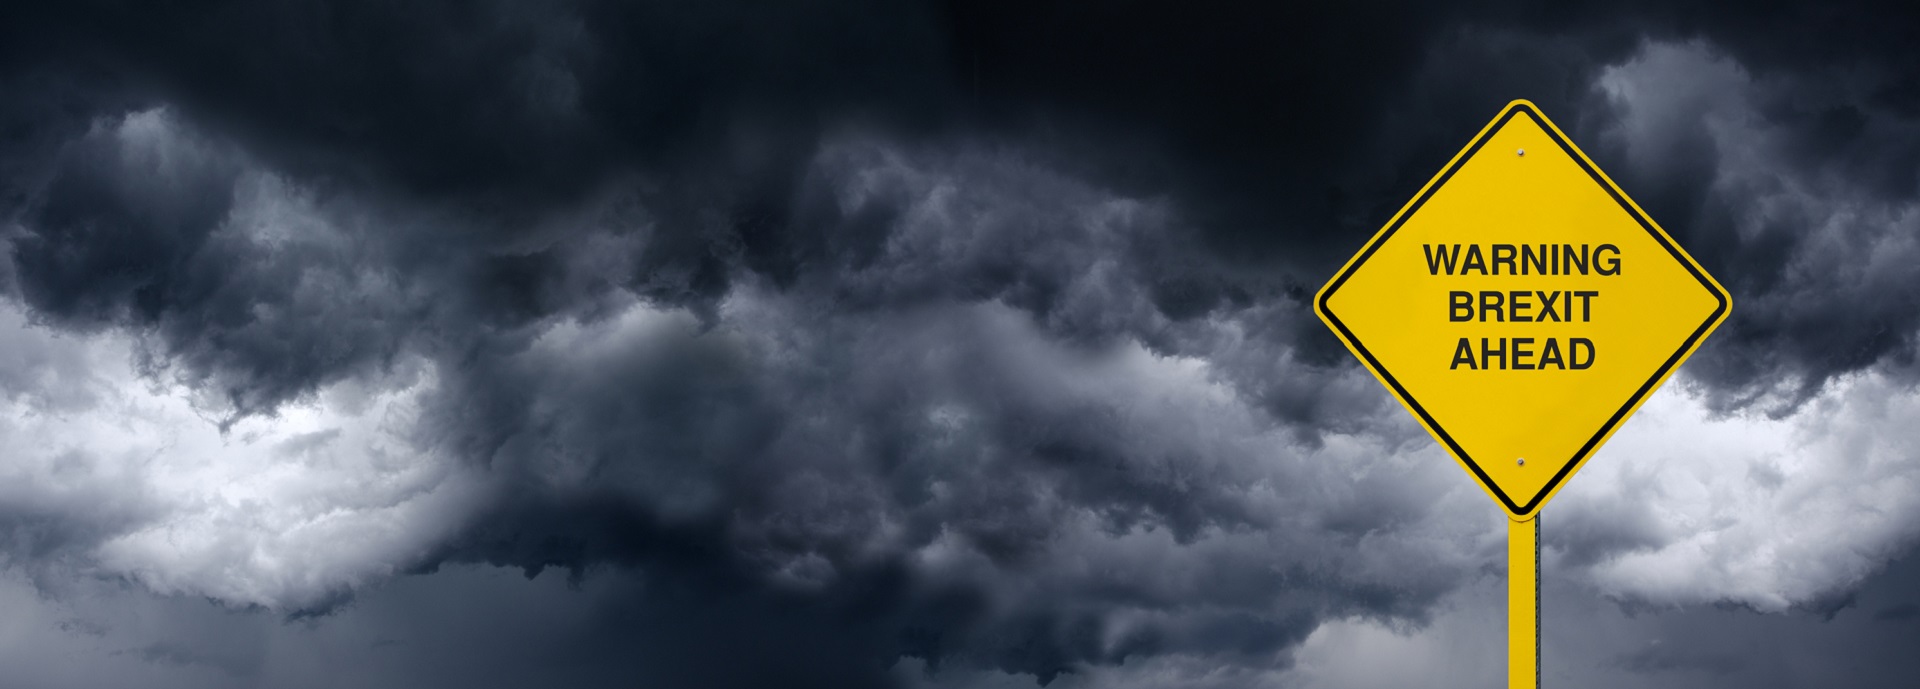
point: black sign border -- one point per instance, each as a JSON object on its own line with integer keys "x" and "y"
{"x": 1327, "y": 312}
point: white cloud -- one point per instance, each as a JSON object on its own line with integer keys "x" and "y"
{"x": 1763, "y": 512}
{"x": 1817, "y": 484}
{"x": 280, "y": 511}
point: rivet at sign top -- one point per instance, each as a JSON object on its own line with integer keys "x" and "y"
{"x": 1523, "y": 461}
{"x": 1522, "y": 152}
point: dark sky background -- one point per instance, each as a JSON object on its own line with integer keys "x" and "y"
{"x": 872, "y": 344}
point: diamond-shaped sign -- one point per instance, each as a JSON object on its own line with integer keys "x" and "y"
{"x": 1522, "y": 307}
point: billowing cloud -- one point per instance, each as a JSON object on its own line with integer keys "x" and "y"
{"x": 1783, "y": 186}
{"x": 878, "y": 344}
{"x": 120, "y": 475}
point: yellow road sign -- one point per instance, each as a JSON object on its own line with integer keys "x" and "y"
{"x": 1522, "y": 307}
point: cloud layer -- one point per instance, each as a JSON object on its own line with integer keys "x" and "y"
{"x": 902, "y": 343}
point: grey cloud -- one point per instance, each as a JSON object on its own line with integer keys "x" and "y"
{"x": 125, "y": 208}
{"x": 1813, "y": 233}
{"x": 147, "y": 225}
{"x": 53, "y": 513}
{"x": 1022, "y": 470}
{"x": 1589, "y": 531}
{"x": 575, "y": 114}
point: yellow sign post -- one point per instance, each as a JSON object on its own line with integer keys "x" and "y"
{"x": 1522, "y": 307}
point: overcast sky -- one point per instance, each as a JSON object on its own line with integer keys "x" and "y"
{"x": 873, "y": 344}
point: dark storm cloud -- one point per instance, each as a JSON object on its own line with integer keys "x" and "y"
{"x": 1275, "y": 132}
{"x": 1797, "y": 174}
{"x": 907, "y": 235}
{"x": 145, "y": 224}
{"x": 810, "y": 437}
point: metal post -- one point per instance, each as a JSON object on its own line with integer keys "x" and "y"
{"x": 1523, "y": 603}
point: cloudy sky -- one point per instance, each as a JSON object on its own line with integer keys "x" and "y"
{"x": 894, "y": 344}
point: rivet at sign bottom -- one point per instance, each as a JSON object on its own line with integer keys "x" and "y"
{"x": 1523, "y": 461}
{"x": 1522, "y": 152}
